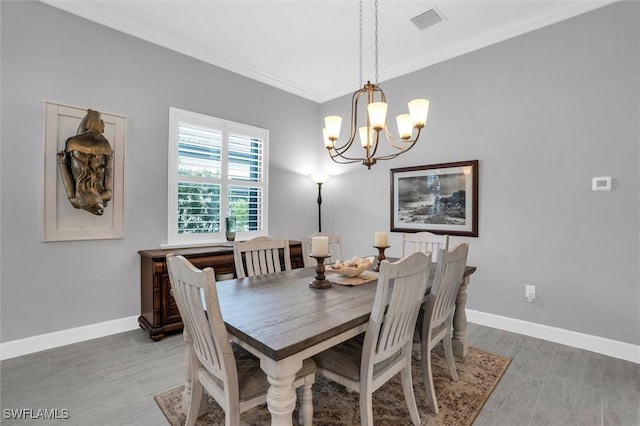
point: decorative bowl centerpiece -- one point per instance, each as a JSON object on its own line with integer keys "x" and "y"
{"x": 351, "y": 268}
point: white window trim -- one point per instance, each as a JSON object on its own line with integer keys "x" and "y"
{"x": 189, "y": 240}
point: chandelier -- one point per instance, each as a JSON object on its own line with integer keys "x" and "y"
{"x": 376, "y": 121}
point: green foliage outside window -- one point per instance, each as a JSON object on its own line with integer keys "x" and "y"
{"x": 198, "y": 208}
{"x": 240, "y": 210}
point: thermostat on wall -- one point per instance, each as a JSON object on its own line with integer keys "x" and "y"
{"x": 602, "y": 183}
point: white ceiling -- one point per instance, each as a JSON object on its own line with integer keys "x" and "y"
{"x": 310, "y": 47}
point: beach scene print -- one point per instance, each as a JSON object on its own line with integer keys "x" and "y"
{"x": 433, "y": 199}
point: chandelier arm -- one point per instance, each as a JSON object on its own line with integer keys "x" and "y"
{"x": 342, "y": 149}
{"x": 376, "y": 88}
{"x": 344, "y": 161}
{"x": 402, "y": 151}
{"x": 393, "y": 140}
{"x": 392, "y": 156}
{"x": 340, "y": 152}
{"x": 374, "y": 146}
{"x": 341, "y": 160}
{"x": 354, "y": 113}
{"x": 349, "y": 159}
{"x": 354, "y": 124}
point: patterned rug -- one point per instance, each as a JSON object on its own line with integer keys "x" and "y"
{"x": 459, "y": 402}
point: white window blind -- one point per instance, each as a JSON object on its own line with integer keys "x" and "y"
{"x": 216, "y": 170}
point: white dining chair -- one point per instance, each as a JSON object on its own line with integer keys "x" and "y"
{"x": 424, "y": 242}
{"x": 228, "y": 373}
{"x": 437, "y": 324}
{"x": 367, "y": 361}
{"x": 261, "y": 255}
{"x": 335, "y": 248}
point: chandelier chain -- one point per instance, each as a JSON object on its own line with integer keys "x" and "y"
{"x": 376, "y": 40}
{"x": 360, "y": 46}
{"x": 409, "y": 125}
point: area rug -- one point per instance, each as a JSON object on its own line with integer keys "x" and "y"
{"x": 459, "y": 402}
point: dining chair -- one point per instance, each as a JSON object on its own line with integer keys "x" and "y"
{"x": 261, "y": 255}
{"x": 437, "y": 324}
{"x": 335, "y": 248}
{"x": 424, "y": 242}
{"x": 228, "y": 373}
{"x": 367, "y": 361}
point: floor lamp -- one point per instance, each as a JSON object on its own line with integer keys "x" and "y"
{"x": 319, "y": 178}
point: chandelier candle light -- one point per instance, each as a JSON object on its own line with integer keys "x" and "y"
{"x": 376, "y": 121}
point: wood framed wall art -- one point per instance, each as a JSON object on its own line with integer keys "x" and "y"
{"x": 438, "y": 198}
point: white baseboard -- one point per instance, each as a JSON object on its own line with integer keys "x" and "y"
{"x": 601, "y": 345}
{"x": 588, "y": 342}
{"x": 43, "y": 342}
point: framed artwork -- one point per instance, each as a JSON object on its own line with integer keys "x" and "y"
{"x": 69, "y": 216}
{"x": 438, "y": 198}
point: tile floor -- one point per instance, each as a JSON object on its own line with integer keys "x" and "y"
{"x": 112, "y": 381}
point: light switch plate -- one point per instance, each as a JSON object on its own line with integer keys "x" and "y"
{"x": 602, "y": 183}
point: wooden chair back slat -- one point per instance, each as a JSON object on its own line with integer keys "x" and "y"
{"x": 208, "y": 334}
{"x": 261, "y": 255}
{"x": 401, "y": 289}
{"x": 424, "y": 242}
{"x": 437, "y": 325}
{"x": 449, "y": 275}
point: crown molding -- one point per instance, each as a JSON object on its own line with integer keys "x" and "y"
{"x": 166, "y": 38}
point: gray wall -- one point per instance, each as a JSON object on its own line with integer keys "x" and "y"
{"x": 50, "y": 55}
{"x": 544, "y": 113}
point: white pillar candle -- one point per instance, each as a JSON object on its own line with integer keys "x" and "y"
{"x": 381, "y": 239}
{"x": 320, "y": 246}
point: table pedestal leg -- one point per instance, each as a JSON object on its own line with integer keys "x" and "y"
{"x": 459, "y": 342}
{"x": 281, "y": 396}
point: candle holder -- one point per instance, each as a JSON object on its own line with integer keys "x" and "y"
{"x": 320, "y": 282}
{"x": 381, "y": 257}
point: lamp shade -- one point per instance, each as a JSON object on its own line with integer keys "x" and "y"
{"x": 377, "y": 115}
{"x": 328, "y": 143}
{"x": 364, "y": 141}
{"x": 332, "y": 124}
{"x": 405, "y": 127}
{"x": 419, "y": 109}
{"x": 320, "y": 177}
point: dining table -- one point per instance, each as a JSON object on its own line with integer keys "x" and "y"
{"x": 282, "y": 321}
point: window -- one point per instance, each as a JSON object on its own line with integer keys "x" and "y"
{"x": 217, "y": 169}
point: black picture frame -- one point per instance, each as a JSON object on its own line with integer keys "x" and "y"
{"x": 438, "y": 198}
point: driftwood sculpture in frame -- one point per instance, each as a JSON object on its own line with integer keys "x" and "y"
{"x": 86, "y": 166}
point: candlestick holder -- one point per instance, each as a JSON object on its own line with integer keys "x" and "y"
{"x": 321, "y": 281}
{"x": 381, "y": 257}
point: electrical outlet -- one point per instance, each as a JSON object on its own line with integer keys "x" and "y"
{"x": 530, "y": 292}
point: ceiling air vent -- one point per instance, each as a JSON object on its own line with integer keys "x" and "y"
{"x": 427, "y": 19}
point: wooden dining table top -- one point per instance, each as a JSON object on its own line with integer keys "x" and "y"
{"x": 279, "y": 315}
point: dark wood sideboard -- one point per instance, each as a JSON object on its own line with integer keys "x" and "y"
{"x": 159, "y": 313}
